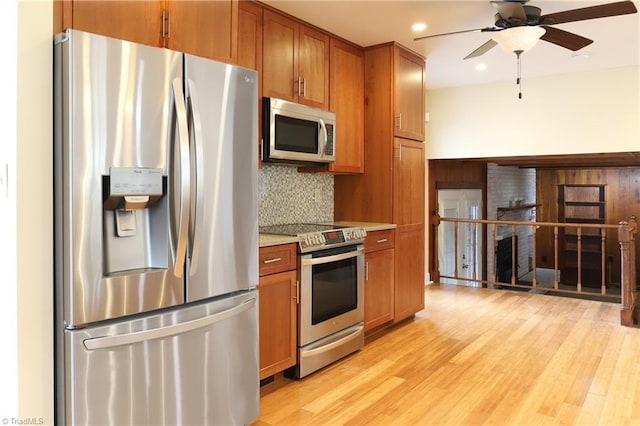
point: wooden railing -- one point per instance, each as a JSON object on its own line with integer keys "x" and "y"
{"x": 624, "y": 292}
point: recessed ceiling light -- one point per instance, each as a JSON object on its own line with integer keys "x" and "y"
{"x": 419, "y": 27}
{"x": 481, "y": 67}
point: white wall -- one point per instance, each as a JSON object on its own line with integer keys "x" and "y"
{"x": 34, "y": 203}
{"x": 581, "y": 113}
{"x": 8, "y": 290}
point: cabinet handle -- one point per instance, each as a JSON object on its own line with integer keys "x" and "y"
{"x": 297, "y": 292}
{"x": 274, "y": 260}
{"x": 366, "y": 272}
{"x": 304, "y": 87}
{"x": 166, "y": 26}
{"x": 384, "y": 240}
{"x": 399, "y": 121}
{"x": 299, "y": 81}
{"x": 399, "y": 157}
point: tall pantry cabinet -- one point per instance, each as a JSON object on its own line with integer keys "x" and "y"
{"x": 392, "y": 187}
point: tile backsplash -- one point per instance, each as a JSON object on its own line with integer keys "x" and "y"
{"x": 287, "y": 196}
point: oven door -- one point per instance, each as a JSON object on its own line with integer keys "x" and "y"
{"x": 331, "y": 292}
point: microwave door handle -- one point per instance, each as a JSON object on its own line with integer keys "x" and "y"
{"x": 184, "y": 176}
{"x": 323, "y": 129}
{"x": 198, "y": 214}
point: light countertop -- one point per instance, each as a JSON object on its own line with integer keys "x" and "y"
{"x": 267, "y": 240}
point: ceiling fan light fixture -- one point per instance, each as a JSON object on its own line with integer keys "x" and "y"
{"x": 518, "y": 39}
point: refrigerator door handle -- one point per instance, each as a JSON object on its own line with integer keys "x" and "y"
{"x": 198, "y": 211}
{"x": 108, "y": 342}
{"x": 185, "y": 184}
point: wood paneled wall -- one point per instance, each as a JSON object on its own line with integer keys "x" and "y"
{"x": 453, "y": 174}
{"x": 622, "y": 198}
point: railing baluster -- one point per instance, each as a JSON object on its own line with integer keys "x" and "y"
{"x": 534, "y": 281}
{"x": 475, "y": 242}
{"x": 495, "y": 252}
{"x": 514, "y": 261}
{"x": 455, "y": 250}
{"x": 603, "y": 250}
{"x": 579, "y": 236}
{"x": 555, "y": 257}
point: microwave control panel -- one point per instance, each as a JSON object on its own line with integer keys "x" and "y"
{"x": 328, "y": 148}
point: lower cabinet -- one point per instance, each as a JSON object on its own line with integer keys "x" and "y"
{"x": 409, "y": 273}
{"x": 277, "y": 290}
{"x": 379, "y": 279}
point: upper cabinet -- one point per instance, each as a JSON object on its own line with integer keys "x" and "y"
{"x": 136, "y": 21}
{"x": 346, "y": 100}
{"x": 250, "y": 35}
{"x": 202, "y": 28}
{"x": 295, "y": 61}
{"x": 409, "y": 95}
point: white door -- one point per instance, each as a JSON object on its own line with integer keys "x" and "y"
{"x": 460, "y": 244}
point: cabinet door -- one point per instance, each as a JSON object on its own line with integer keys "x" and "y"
{"x": 346, "y": 100}
{"x": 204, "y": 28}
{"x": 250, "y": 51}
{"x": 409, "y": 99}
{"x": 409, "y": 271}
{"x": 280, "y": 57}
{"x": 408, "y": 182}
{"x": 136, "y": 21}
{"x": 250, "y": 36}
{"x": 314, "y": 68}
{"x": 277, "y": 295}
{"x": 378, "y": 293}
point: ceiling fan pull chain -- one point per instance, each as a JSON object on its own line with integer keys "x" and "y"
{"x": 519, "y": 77}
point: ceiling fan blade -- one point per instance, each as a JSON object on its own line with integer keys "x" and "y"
{"x": 591, "y": 12}
{"x": 510, "y": 9}
{"x": 564, "y": 38}
{"x": 490, "y": 44}
{"x": 476, "y": 30}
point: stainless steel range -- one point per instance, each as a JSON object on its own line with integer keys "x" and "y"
{"x": 331, "y": 302}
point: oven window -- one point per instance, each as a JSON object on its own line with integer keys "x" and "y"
{"x": 334, "y": 289}
{"x": 296, "y": 135}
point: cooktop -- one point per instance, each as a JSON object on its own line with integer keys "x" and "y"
{"x": 317, "y": 236}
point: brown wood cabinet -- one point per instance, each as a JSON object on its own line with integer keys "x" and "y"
{"x": 346, "y": 100}
{"x": 295, "y": 61}
{"x": 277, "y": 291}
{"x": 250, "y": 51}
{"x": 409, "y": 94}
{"x": 136, "y": 21}
{"x": 392, "y": 187}
{"x": 379, "y": 279}
{"x": 202, "y": 28}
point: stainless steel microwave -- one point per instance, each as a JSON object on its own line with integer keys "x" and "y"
{"x": 295, "y": 133}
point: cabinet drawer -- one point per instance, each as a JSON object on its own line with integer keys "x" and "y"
{"x": 379, "y": 240}
{"x": 278, "y": 258}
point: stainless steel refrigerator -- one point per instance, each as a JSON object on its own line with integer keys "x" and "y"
{"x": 156, "y": 236}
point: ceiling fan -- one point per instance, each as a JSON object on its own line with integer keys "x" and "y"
{"x": 515, "y": 14}
{"x": 518, "y": 27}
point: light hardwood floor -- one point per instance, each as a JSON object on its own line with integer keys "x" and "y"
{"x": 477, "y": 356}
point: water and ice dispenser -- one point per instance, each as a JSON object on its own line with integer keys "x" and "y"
{"x": 135, "y": 218}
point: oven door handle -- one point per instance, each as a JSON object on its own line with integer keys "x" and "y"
{"x": 334, "y": 258}
{"x": 332, "y": 345}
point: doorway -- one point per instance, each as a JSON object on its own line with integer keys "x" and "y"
{"x": 460, "y": 247}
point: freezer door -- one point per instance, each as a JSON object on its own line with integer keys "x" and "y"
{"x": 222, "y": 101}
{"x": 193, "y": 366}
